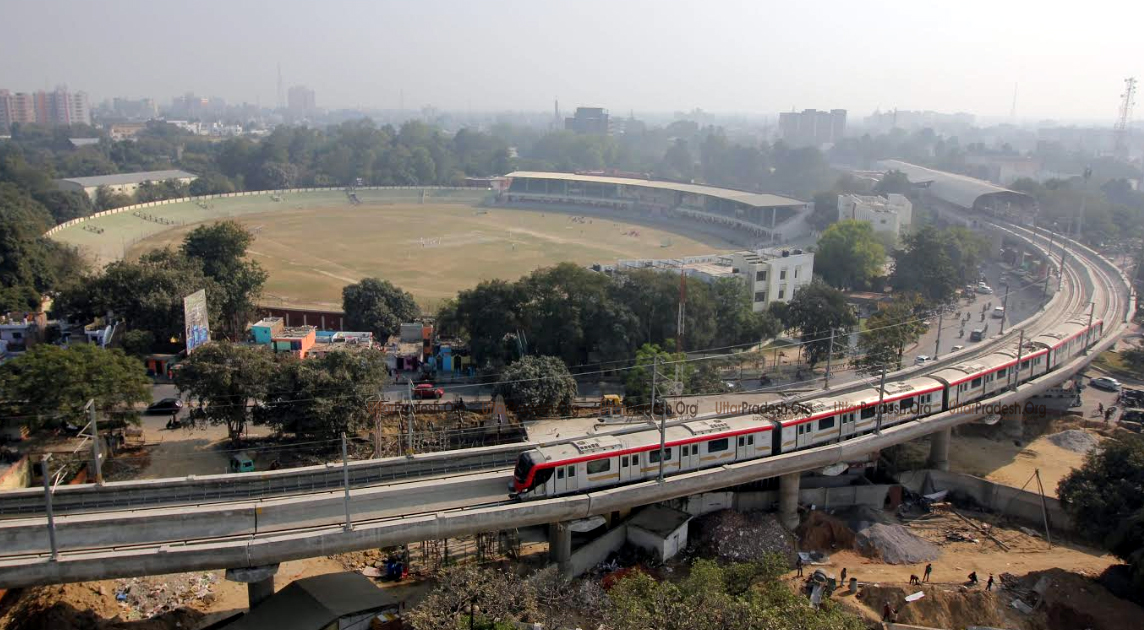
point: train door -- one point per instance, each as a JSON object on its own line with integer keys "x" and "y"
{"x": 629, "y": 467}
{"x": 804, "y": 434}
{"x": 570, "y": 478}
{"x": 847, "y": 429}
{"x": 564, "y": 479}
{"x": 688, "y": 456}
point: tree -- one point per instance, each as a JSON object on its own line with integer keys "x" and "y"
{"x": 741, "y": 596}
{"x": 537, "y": 386}
{"x": 849, "y": 255}
{"x": 377, "y": 306}
{"x": 1106, "y": 494}
{"x": 223, "y": 380}
{"x": 736, "y": 321}
{"x": 50, "y": 382}
{"x": 937, "y": 263}
{"x": 325, "y": 396}
{"x": 889, "y": 331}
{"x": 893, "y": 182}
{"x": 221, "y": 250}
{"x": 500, "y": 595}
{"x": 108, "y": 199}
{"x": 638, "y": 381}
{"x": 815, "y": 310}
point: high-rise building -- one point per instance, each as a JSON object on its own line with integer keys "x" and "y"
{"x": 16, "y": 107}
{"x": 300, "y": 100}
{"x": 589, "y": 121}
{"x": 812, "y": 127}
{"x": 59, "y": 107}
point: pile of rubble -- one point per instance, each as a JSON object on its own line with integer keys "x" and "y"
{"x": 143, "y": 598}
{"x": 742, "y": 537}
{"x": 1074, "y": 440}
{"x": 895, "y": 544}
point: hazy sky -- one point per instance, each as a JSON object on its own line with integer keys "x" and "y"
{"x": 1069, "y": 59}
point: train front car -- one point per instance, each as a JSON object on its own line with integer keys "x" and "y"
{"x": 526, "y": 476}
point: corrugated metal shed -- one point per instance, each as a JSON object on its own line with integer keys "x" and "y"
{"x": 960, "y": 190}
{"x": 758, "y": 200}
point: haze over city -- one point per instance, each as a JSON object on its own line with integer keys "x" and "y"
{"x": 1066, "y": 60}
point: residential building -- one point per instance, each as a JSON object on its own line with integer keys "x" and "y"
{"x": 125, "y": 131}
{"x": 812, "y": 127}
{"x": 889, "y": 214}
{"x": 16, "y": 107}
{"x": 591, "y": 121}
{"x": 297, "y": 340}
{"x": 57, "y": 108}
{"x": 773, "y": 275}
{"x": 125, "y": 183}
{"x": 265, "y": 330}
{"x": 300, "y": 100}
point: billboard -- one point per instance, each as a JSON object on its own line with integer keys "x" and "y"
{"x": 198, "y": 331}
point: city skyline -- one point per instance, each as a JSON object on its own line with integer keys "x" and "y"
{"x": 731, "y": 57}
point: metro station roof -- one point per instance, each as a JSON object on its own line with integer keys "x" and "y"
{"x": 758, "y": 200}
{"x": 960, "y": 190}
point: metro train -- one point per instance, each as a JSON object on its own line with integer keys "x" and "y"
{"x": 609, "y": 460}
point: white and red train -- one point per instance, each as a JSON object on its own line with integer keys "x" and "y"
{"x": 610, "y": 460}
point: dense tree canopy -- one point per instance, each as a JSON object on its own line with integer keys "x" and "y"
{"x": 936, "y": 264}
{"x": 848, "y": 255}
{"x": 377, "y": 306}
{"x": 888, "y": 331}
{"x": 223, "y": 381}
{"x": 54, "y": 383}
{"x": 537, "y": 386}
{"x": 325, "y": 396}
{"x": 815, "y": 310}
{"x": 221, "y": 250}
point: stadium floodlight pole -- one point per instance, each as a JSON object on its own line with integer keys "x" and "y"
{"x": 1004, "y": 308}
{"x": 662, "y": 417}
{"x": 829, "y": 356}
{"x": 45, "y": 469}
{"x": 881, "y": 397}
{"x": 349, "y": 525}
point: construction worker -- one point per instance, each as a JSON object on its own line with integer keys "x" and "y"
{"x": 843, "y": 575}
{"x": 798, "y": 564}
{"x": 973, "y": 578}
{"x": 914, "y": 579}
{"x": 989, "y": 584}
{"x": 929, "y": 569}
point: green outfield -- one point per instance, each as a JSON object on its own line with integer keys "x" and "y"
{"x": 315, "y": 243}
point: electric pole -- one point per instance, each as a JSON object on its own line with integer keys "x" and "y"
{"x": 409, "y": 452}
{"x": 663, "y": 417}
{"x": 96, "y": 455}
{"x": 1088, "y": 331}
{"x": 1004, "y": 308}
{"x": 937, "y": 342}
{"x": 881, "y": 397}
{"x": 1020, "y": 353}
{"x": 829, "y": 356}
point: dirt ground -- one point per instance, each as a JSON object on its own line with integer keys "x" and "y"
{"x": 431, "y": 250}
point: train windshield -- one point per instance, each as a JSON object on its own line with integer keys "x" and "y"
{"x": 523, "y": 465}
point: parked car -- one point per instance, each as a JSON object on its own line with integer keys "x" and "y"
{"x": 165, "y": 406}
{"x": 240, "y": 463}
{"x": 998, "y": 312}
{"x": 984, "y": 288}
{"x": 426, "y": 391}
{"x": 922, "y": 359}
{"x": 1106, "y": 383}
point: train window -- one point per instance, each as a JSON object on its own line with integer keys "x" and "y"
{"x": 599, "y": 466}
{"x": 559, "y": 473}
{"x": 976, "y": 383}
{"x": 750, "y": 440}
{"x": 714, "y": 446}
{"x": 1024, "y": 365}
{"x": 742, "y": 441}
{"x": 1002, "y": 372}
{"x": 624, "y": 461}
{"x": 906, "y": 404}
{"x": 826, "y": 423}
{"x": 635, "y": 460}
{"x": 653, "y": 456}
{"x": 572, "y": 471}
{"x": 868, "y": 412}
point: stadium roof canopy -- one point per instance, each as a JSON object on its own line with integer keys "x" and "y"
{"x": 758, "y": 200}
{"x": 129, "y": 178}
{"x": 959, "y": 190}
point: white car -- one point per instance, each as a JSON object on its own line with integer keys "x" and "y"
{"x": 998, "y": 312}
{"x": 922, "y": 359}
{"x": 984, "y": 288}
{"x": 956, "y": 348}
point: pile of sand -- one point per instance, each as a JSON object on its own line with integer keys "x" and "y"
{"x": 939, "y": 608}
{"x": 895, "y": 544}
{"x": 820, "y": 531}
{"x": 1074, "y": 440}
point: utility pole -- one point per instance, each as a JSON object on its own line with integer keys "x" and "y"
{"x": 829, "y": 356}
{"x": 1061, "y": 271}
{"x": 45, "y": 468}
{"x": 346, "y": 480}
{"x": 1044, "y": 508}
{"x": 662, "y": 418}
{"x": 937, "y": 342}
{"x": 1020, "y": 354}
{"x": 881, "y": 397}
{"x": 96, "y": 456}
{"x": 1004, "y": 308}
{"x": 409, "y": 447}
{"x": 1088, "y": 331}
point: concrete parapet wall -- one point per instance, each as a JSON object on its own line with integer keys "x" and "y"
{"x": 595, "y": 552}
{"x": 1020, "y": 504}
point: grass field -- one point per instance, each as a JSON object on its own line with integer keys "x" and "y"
{"x": 433, "y": 250}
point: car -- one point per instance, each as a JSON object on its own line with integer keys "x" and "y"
{"x": 998, "y": 312}
{"x": 922, "y": 359}
{"x": 956, "y": 348}
{"x": 165, "y": 406}
{"x": 1106, "y": 383}
{"x": 978, "y": 334}
{"x": 423, "y": 391}
{"x": 984, "y": 288}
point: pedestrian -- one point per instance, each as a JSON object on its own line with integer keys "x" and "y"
{"x": 887, "y": 612}
{"x": 989, "y": 584}
{"x": 1108, "y": 414}
{"x": 914, "y": 579}
{"x": 1100, "y": 408}
{"x": 843, "y": 575}
{"x": 798, "y": 565}
{"x": 925, "y": 576}
{"x": 973, "y": 578}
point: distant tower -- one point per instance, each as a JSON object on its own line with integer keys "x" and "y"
{"x": 556, "y": 123}
{"x": 1013, "y": 109}
{"x": 1127, "y": 100}
{"x": 281, "y": 90}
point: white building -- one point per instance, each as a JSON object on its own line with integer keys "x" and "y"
{"x": 125, "y": 183}
{"x": 890, "y": 214}
{"x": 773, "y": 275}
